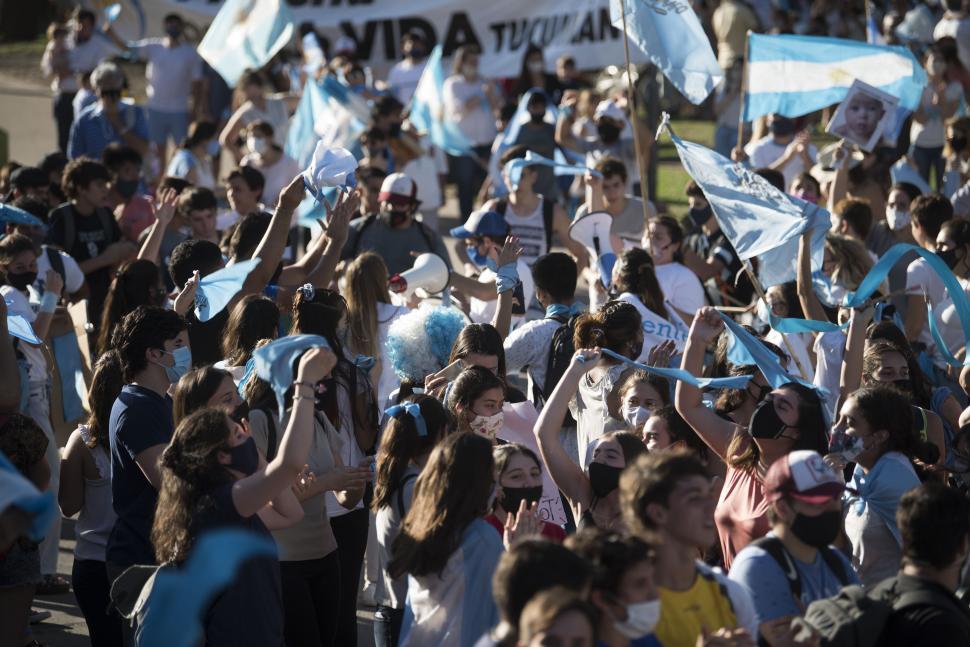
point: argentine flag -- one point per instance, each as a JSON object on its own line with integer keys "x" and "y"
{"x": 796, "y": 75}
{"x": 246, "y": 34}
{"x": 427, "y": 111}
{"x": 328, "y": 112}
{"x": 760, "y": 221}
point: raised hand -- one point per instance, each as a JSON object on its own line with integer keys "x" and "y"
{"x": 707, "y": 325}
{"x": 186, "y": 296}
{"x": 315, "y": 364}
{"x": 165, "y": 206}
{"x": 660, "y": 354}
{"x": 53, "y": 282}
{"x": 510, "y": 252}
{"x": 292, "y": 195}
{"x": 523, "y": 524}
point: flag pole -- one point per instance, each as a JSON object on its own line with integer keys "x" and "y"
{"x": 761, "y": 295}
{"x": 744, "y": 90}
{"x": 637, "y": 146}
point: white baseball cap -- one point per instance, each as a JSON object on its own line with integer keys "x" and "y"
{"x": 398, "y": 188}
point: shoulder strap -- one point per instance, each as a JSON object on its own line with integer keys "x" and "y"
{"x": 501, "y": 206}
{"x": 548, "y": 210}
{"x": 106, "y": 221}
{"x": 774, "y": 547}
{"x": 69, "y": 228}
{"x": 835, "y": 565}
{"x": 400, "y": 493}
{"x": 426, "y": 235}
{"x": 55, "y": 261}
{"x": 270, "y": 436}
{"x": 368, "y": 221}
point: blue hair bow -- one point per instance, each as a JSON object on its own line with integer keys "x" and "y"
{"x": 364, "y": 362}
{"x": 412, "y": 409}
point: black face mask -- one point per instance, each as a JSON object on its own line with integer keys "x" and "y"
{"x": 244, "y": 458}
{"x": 949, "y": 257}
{"x": 819, "y": 531}
{"x": 126, "y": 188}
{"x": 700, "y": 216}
{"x": 603, "y": 479}
{"x": 21, "y": 280}
{"x": 905, "y": 385}
{"x": 537, "y": 118}
{"x": 782, "y": 127}
{"x": 512, "y": 497}
{"x": 240, "y": 413}
{"x": 958, "y": 143}
{"x": 765, "y": 423}
{"x": 608, "y": 133}
{"x": 394, "y": 129}
{"x": 396, "y": 218}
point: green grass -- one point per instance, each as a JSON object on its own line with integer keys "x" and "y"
{"x": 671, "y": 176}
{"x": 24, "y": 48}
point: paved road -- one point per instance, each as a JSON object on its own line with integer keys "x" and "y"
{"x": 25, "y": 115}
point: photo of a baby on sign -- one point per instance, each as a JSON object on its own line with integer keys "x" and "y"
{"x": 863, "y": 116}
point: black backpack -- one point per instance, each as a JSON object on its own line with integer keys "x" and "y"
{"x": 561, "y": 351}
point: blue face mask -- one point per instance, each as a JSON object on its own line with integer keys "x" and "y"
{"x": 477, "y": 257}
{"x": 212, "y": 148}
{"x": 183, "y": 362}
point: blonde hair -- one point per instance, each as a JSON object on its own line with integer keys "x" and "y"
{"x": 852, "y": 261}
{"x": 366, "y": 282}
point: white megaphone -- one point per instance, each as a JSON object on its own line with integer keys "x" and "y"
{"x": 592, "y": 231}
{"x": 429, "y": 274}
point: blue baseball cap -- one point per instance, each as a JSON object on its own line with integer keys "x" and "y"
{"x": 482, "y": 223}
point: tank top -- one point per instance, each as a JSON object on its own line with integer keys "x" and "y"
{"x": 531, "y": 231}
{"x": 97, "y": 517}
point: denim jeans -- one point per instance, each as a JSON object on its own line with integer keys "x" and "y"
{"x": 387, "y": 626}
{"x": 927, "y": 158}
{"x": 63, "y": 117}
{"x": 725, "y": 139}
{"x": 469, "y": 174}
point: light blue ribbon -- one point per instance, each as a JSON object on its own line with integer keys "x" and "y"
{"x": 738, "y": 382}
{"x": 364, "y": 362}
{"x": 564, "y": 311}
{"x": 747, "y": 350}
{"x": 412, "y": 409}
{"x": 513, "y": 168}
{"x": 70, "y": 367}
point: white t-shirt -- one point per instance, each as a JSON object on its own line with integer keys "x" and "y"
{"x": 424, "y": 170}
{"x": 766, "y": 151}
{"x": 170, "y": 73}
{"x": 276, "y": 115}
{"x": 277, "y": 177}
{"x": 529, "y": 346}
{"x": 656, "y": 329}
{"x": 476, "y": 124}
{"x": 73, "y": 276}
{"x": 86, "y": 56}
{"x": 19, "y": 305}
{"x": 948, "y": 321}
{"x": 403, "y": 78}
{"x": 959, "y": 30}
{"x": 931, "y": 133}
{"x": 920, "y": 279}
{"x": 482, "y": 311}
{"x": 829, "y": 350}
{"x": 799, "y": 345}
{"x": 681, "y": 287}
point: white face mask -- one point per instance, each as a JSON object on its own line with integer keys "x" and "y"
{"x": 635, "y": 416}
{"x": 488, "y": 426}
{"x": 641, "y": 618}
{"x": 896, "y": 218}
{"x": 257, "y": 145}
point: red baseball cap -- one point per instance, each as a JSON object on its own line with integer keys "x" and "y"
{"x": 803, "y": 475}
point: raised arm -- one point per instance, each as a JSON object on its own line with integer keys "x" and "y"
{"x": 164, "y": 212}
{"x": 568, "y": 476}
{"x": 840, "y": 183}
{"x": 564, "y": 127}
{"x": 811, "y": 306}
{"x": 714, "y": 430}
{"x": 270, "y": 248}
{"x": 255, "y": 491}
{"x": 338, "y": 228}
{"x": 854, "y": 346}
{"x": 502, "y": 321}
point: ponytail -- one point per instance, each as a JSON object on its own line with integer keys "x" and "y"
{"x": 616, "y": 326}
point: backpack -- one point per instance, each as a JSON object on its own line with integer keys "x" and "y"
{"x": 774, "y": 547}
{"x": 561, "y": 352}
{"x": 400, "y": 494}
{"x": 855, "y": 618}
{"x": 548, "y": 210}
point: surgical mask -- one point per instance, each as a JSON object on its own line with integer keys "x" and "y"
{"x": 488, "y": 426}
{"x": 416, "y": 52}
{"x": 818, "y": 531}
{"x": 765, "y": 423}
{"x": 635, "y": 416}
{"x": 782, "y": 127}
{"x": 212, "y": 148}
{"x": 126, "y": 188}
{"x": 21, "y": 280}
{"x": 512, "y": 497}
{"x": 700, "y": 216}
{"x": 257, "y": 145}
{"x": 603, "y": 478}
{"x": 608, "y": 133}
{"x": 641, "y": 618}
{"x": 897, "y": 218}
{"x": 949, "y": 257}
{"x": 396, "y": 218}
{"x": 535, "y": 67}
{"x": 182, "y": 358}
{"x": 244, "y": 457}
{"x": 394, "y": 130}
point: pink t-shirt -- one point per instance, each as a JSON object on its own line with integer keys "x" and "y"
{"x": 137, "y": 216}
{"x": 742, "y": 512}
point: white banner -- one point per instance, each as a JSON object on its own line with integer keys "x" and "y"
{"x": 503, "y": 29}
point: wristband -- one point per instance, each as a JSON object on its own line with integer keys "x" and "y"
{"x": 506, "y": 278}
{"x": 48, "y": 302}
{"x": 312, "y": 387}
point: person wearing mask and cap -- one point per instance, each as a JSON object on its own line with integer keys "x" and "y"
{"x": 109, "y": 119}
{"x": 614, "y": 138}
{"x": 795, "y": 564}
{"x": 394, "y": 233}
{"x": 174, "y": 75}
{"x": 405, "y": 74}
{"x": 783, "y": 149}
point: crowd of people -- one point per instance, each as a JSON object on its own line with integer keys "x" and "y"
{"x": 507, "y": 462}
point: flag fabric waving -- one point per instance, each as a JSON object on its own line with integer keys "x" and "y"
{"x": 427, "y": 111}
{"x": 246, "y": 34}
{"x": 327, "y": 114}
{"x": 758, "y": 219}
{"x": 796, "y": 75}
{"x": 674, "y": 40}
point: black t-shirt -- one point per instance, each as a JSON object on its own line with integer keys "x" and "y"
{"x": 250, "y": 610}
{"x": 92, "y": 235}
{"x": 205, "y": 337}
{"x": 942, "y": 624}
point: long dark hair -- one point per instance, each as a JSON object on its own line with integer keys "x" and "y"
{"x": 637, "y": 277}
{"x": 255, "y": 317}
{"x": 675, "y": 232}
{"x": 470, "y": 384}
{"x": 886, "y": 407}
{"x": 480, "y": 339}
{"x": 401, "y": 443}
{"x": 193, "y": 391}
{"x": 918, "y": 390}
{"x": 135, "y": 284}
{"x": 452, "y": 491}
{"x": 615, "y": 326}
{"x": 190, "y": 472}
{"x": 106, "y": 383}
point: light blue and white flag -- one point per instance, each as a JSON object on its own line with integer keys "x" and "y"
{"x": 246, "y": 34}
{"x": 330, "y": 168}
{"x": 513, "y": 168}
{"x": 216, "y": 290}
{"x": 427, "y": 111}
{"x": 15, "y": 490}
{"x": 328, "y": 113}
{"x": 796, "y": 75}
{"x": 671, "y": 35}
{"x": 758, "y": 219}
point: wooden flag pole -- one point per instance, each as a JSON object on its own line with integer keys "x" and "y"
{"x": 761, "y": 295}
{"x": 744, "y": 90}
{"x": 637, "y": 146}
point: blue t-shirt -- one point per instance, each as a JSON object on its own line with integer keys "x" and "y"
{"x": 765, "y": 581}
{"x": 140, "y": 418}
